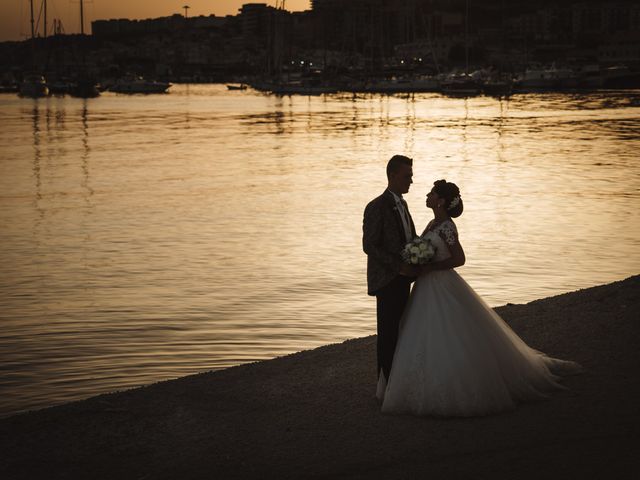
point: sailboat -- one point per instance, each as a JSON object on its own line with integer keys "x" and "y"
{"x": 84, "y": 85}
{"x": 463, "y": 84}
{"x": 274, "y": 81}
{"x": 137, "y": 84}
{"x": 497, "y": 84}
{"x": 33, "y": 83}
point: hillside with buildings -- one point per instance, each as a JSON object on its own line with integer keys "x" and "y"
{"x": 342, "y": 37}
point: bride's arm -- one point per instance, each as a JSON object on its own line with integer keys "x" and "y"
{"x": 457, "y": 258}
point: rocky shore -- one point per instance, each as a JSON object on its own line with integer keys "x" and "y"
{"x": 313, "y": 415}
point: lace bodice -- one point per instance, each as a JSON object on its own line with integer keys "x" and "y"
{"x": 441, "y": 236}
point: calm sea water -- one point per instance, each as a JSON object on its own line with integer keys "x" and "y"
{"x": 148, "y": 237}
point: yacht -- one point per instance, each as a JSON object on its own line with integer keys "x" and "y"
{"x": 34, "y": 86}
{"x": 548, "y": 78}
{"x": 461, "y": 84}
{"x": 403, "y": 84}
{"x": 137, "y": 84}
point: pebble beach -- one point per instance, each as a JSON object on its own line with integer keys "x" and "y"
{"x": 313, "y": 414}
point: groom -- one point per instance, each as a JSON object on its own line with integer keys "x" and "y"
{"x": 386, "y": 229}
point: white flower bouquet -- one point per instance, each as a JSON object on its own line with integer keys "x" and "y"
{"x": 418, "y": 251}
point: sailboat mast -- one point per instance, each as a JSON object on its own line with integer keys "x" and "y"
{"x": 81, "y": 17}
{"x": 45, "y": 18}
{"x": 466, "y": 39}
{"x": 33, "y": 33}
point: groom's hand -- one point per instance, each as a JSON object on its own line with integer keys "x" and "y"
{"x": 409, "y": 270}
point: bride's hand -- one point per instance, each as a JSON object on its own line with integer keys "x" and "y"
{"x": 410, "y": 270}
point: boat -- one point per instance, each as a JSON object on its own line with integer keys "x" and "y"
{"x": 242, "y": 86}
{"x": 33, "y": 85}
{"x": 497, "y": 85}
{"x": 405, "y": 84}
{"x": 85, "y": 87}
{"x": 59, "y": 86}
{"x": 549, "y": 78}
{"x": 497, "y": 88}
{"x": 590, "y": 77}
{"x": 137, "y": 84}
{"x": 9, "y": 88}
{"x": 616, "y": 76}
{"x": 81, "y": 86}
{"x": 536, "y": 79}
{"x": 461, "y": 84}
{"x": 8, "y": 84}
{"x": 301, "y": 88}
{"x": 294, "y": 85}
{"x": 619, "y": 76}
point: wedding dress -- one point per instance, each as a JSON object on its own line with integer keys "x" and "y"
{"x": 455, "y": 356}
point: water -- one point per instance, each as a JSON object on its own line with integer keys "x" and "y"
{"x": 149, "y": 237}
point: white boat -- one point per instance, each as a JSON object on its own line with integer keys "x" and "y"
{"x": 294, "y": 87}
{"x": 408, "y": 84}
{"x": 536, "y": 78}
{"x": 137, "y": 84}
{"x": 547, "y": 78}
{"x": 34, "y": 86}
{"x": 461, "y": 84}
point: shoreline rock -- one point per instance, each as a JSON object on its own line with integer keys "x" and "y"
{"x": 313, "y": 414}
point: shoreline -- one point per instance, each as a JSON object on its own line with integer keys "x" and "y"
{"x": 313, "y": 414}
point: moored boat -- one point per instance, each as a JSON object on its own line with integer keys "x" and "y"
{"x": 294, "y": 87}
{"x": 549, "y": 78}
{"x": 85, "y": 87}
{"x": 497, "y": 85}
{"x": 33, "y": 85}
{"x": 59, "y": 86}
{"x": 461, "y": 84}
{"x": 137, "y": 84}
{"x": 408, "y": 84}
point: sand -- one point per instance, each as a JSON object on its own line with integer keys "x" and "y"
{"x": 313, "y": 414}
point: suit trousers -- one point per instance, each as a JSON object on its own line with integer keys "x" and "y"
{"x": 390, "y": 301}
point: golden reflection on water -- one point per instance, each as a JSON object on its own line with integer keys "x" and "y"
{"x": 148, "y": 237}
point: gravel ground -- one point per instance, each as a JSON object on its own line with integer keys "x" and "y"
{"x": 313, "y": 415}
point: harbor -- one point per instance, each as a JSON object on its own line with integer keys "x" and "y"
{"x": 181, "y": 232}
{"x": 364, "y": 46}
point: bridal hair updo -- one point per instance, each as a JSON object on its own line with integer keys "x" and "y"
{"x": 451, "y": 195}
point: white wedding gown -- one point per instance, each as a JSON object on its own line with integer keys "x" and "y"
{"x": 455, "y": 356}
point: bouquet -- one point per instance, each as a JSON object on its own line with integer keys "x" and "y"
{"x": 418, "y": 251}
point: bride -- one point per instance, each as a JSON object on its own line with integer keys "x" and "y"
{"x": 455, "y": 356}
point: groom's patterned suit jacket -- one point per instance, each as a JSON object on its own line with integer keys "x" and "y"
{"x": 383, "y": 239}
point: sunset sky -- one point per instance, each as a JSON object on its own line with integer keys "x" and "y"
{"x": 15, "y": 25}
